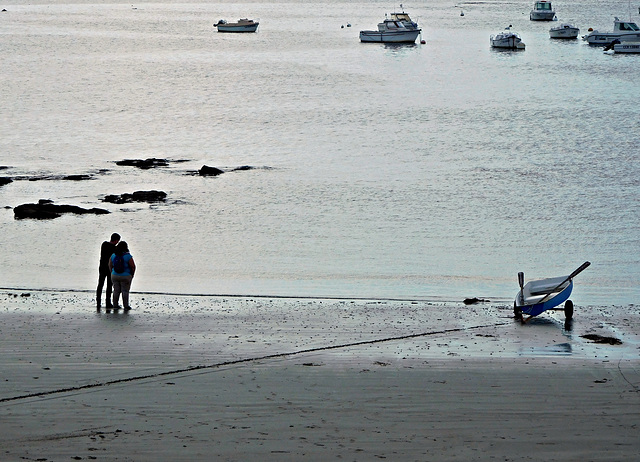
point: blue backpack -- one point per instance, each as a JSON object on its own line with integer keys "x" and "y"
{"x": 118, "y": 264}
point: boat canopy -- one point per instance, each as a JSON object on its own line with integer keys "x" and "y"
{"x": 400, "y": 17}
{"x": 543, "y": 6}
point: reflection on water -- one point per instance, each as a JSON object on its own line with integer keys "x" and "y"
{"x": 555, "y": 349}
{"x": 559, "y": 349}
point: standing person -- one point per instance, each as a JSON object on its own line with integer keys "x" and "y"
{"x": 122, "y": 269}
{"x": 107, "y": 249}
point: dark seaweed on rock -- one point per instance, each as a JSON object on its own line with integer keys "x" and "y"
{"x": 146, "y": 164}
{"x": 78, "y": 177}
{"x": 82, "y": 177}
{"x": 137, "y": 196}
{"x": 47, "y": 210}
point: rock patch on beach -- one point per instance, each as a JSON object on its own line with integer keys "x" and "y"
{"x": 602, "y": 339}
{"x": 46, "y": 210}
{"x": 136, "y": 196}
{"x": 5, "y": 180}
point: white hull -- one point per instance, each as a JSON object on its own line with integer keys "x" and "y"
{"x": 605, "y": 38}
{"x": 232, "y": 28}
{"x": 627, "y": 47}
{"x": 542, "y": 15}
{"x": 394, "y": 36}
{"x": 564, "y": 32}
{"x": 510, "y": 43}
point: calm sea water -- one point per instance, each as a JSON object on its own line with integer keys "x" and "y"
{"x": 433, "y": 171}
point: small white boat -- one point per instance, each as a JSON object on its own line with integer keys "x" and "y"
{"x": 507, "y": 39}
{"x": 243, "y": 25}
{"x": 564, "y": 31}
{"x": 624, "y": 31}
{"x": 542, "y": 11}
{"x": 392, "y": 31}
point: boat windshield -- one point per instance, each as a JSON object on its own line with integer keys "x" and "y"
{"x": 543, "y": 6}
{"x": 629, "y": 26}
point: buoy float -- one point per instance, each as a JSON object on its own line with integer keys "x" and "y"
{"x": 423, "y": 41}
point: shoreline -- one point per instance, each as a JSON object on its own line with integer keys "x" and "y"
{"x": 201, "y": 378}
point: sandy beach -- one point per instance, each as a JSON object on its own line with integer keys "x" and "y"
{"x": 235, "y": 378}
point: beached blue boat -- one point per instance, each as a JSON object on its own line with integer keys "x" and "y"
{"x": 538, "y": 296}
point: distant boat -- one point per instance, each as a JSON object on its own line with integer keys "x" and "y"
{"x": 507, "y": 39}
{"x": 399, "y": 28}
{"x": 542, "y": 11}
{"x": 243, "y": 25}
{"x": 564, "y": 31}
{"x": 624, "y": 31}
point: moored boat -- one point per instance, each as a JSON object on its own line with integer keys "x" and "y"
{"x": 542, "y": 11}
{"x": 507, "y": 39}
{"x": 564, "y": 31}
{"x": 242, "y": 25}
{"x": 393, "y": 31}
{"x": 624, "y": 31}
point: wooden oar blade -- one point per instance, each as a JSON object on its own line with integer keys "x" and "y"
{"x": 580, "y": 269}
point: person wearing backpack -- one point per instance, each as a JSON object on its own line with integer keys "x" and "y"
{"x": 107, "y": 249}
{"x": 122, "y": 269}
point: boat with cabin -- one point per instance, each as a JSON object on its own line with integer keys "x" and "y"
{"x": 398, "y": 28}
{"x": 564, "y": 31}
{"x": 542, "y": 11}
{"x": 624, "y": 31}
{"x": 242, "y": 25}
{"x": 507, "y": 39}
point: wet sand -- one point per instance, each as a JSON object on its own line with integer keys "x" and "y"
{"x": 232, "y": 378}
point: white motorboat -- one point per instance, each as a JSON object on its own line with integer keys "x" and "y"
{"x": 542, "y": 11}
{"x": 624, "y": 31}
{"x": 392, "y": 31}
{"x": 242, "y": 25}
{"x": 507, "y": 39}
{"x": 564, "y": 31}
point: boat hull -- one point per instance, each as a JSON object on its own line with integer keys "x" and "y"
{"x": 511, "y": 43}
{"x": 605, "y": 38}
{"x": 534, "y": 309}
{"x": 564, "y": 33}
{"x": 404, "y": 36}
{"x": 627, "y": 47}
{"x": 237, "y": 28}
{"x": 542, "y": 15}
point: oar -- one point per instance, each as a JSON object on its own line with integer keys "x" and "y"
{"x": 580, "y": 269}
{"x": 521, "y": 283}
